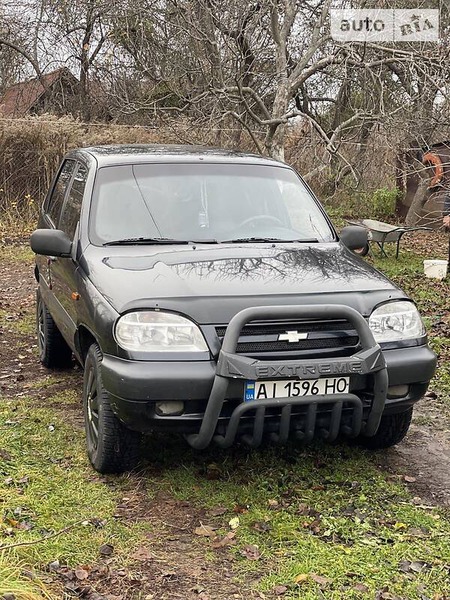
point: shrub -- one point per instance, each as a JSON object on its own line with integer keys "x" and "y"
{"x": 383, "y": 203}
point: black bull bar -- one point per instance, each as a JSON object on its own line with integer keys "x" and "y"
{"x": 368, "y": 360}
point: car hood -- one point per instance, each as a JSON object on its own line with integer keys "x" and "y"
{"x": 211, "y": 283}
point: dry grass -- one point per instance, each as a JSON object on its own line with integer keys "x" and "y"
{"x": 32, "y": 148}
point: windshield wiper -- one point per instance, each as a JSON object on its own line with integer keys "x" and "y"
{"x": 264, "y": 239}
{"x": 144, "y": 241}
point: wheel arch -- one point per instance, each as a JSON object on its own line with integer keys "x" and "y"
{"x": 84, "y": 339}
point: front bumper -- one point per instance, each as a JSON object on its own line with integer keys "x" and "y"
{"x": 212, "y": 392}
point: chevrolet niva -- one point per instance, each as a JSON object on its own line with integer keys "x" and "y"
{"x": 206, "y": 292}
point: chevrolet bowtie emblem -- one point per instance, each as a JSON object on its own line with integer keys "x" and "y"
{"x": 292, "y": 337}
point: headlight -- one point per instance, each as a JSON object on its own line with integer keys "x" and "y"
{"x": 154, "y": 331}
{"x": 396, "y": 321}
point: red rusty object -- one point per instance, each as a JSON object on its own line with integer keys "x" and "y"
{"x": 433, "y": 159}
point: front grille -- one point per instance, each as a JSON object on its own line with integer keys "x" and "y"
{"x": 327, "y": 338}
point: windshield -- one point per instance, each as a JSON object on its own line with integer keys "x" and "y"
{"x": 204, "y": 202}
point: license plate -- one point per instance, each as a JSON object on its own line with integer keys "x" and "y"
{"x": 291, "y": 388}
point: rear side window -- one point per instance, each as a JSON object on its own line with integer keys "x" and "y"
{"x": 59, "y": 191}
{"x": 72, "y": 208}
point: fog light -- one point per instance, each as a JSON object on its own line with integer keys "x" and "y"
{"x": 398, "y": 391}
{"x": 169, "y": 408}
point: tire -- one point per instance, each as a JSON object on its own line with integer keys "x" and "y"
{"x": 53, "y": 349}
{"x": 391, "y": 431}
{"x": 111, "y": 447}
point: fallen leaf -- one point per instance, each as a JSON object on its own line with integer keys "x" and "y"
{"x": 251, "y": 552}
{"x": 169, "y": 574}
{"x": 273, "y": 503}
{"x": 218, "y": 511}
{"x": 234, "y": 522}
{"x": 261, "y": 526}
{"x": 322, "y": 581}
{"x": 360, "y": 587}
{"x": 28, "y": 574}
{"x": 5, "y": 455}
{"x": 81, "y": 574}
{"x": 205, "y": 530}
{"x": 54, "y": 566}
{"x": 404, "y": 566}
{"x": 279, "y": 590}
{"x": 241, "y": 509}
{"x": 385, "y": 594}
{"x": 409, "y": 479}
{"x": 106, "y": 549}
{"x": 142, "y": 554}
{"x": 418, "y": 532}
{"x": 303, "y": 509}
{"x": 301, "y": 578}
{"x": 227, "y": 540}
{"x": 418, "y": 565}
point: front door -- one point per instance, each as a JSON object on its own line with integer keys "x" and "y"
{"x": 64, "y": 270}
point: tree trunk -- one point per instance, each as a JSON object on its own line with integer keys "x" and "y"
{"x": 418, "y": 203}
{"x": 277, "y": 143}
{"x": 276, "y": 133}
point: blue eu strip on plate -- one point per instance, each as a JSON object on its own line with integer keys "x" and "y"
{"x": 249, "y": 391}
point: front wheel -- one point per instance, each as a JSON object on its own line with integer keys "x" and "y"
{"x": 111, "y": 447}
{"x": 391, "y": 431}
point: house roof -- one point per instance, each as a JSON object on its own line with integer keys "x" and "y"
{"x": 20, "y": 98}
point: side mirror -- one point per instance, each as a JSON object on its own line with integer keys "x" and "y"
{"x": 354, "y": 237}
{"x": 51, "y": 242}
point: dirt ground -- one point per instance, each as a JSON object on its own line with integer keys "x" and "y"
{"x": 176, "y": 566}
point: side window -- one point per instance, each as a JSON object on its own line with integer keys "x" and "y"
{"x": 72, "y": 207}
{"x": 59, "y": 191}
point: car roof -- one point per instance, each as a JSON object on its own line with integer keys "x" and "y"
{"x": 168, "y": 153}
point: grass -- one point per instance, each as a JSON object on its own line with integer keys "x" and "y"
{"x": 13, "y": 581}
{"x": 47, "y": 485}
{"x": 24, "y": 325}
{"x": 325, "y": 512}
{"x": 17, "y": 253}
{"x": 322, "y": 522}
